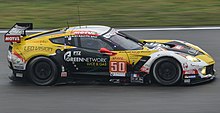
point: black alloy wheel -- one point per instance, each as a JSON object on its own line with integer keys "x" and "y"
{"x": 167, "y": 71}
{"x": 42, "y": 71}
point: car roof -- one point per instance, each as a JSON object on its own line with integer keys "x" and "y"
{"x": 99, "y": 29}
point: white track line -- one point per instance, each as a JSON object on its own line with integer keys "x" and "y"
{"x": 171, "y": 29}
{"x": 144, "y": 29}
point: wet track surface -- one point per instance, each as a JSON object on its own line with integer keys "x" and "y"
{"x": 17, "y": 97}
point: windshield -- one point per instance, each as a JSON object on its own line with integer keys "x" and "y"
{"x": 125, "y": 43}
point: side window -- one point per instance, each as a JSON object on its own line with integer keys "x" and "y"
{"x": 93, "y": 43}
{"x": 59, "y": 40}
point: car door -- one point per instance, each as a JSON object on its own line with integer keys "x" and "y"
{"x": 85, "y": 58}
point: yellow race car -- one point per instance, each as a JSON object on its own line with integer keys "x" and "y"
{"x": 103, "y": 54}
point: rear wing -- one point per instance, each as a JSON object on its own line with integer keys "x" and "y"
{"x": 17, "y": 31}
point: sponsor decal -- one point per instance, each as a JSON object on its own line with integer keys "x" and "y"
{"x": 145, "y": 69}
{"x": 40, "y": 41}
{"x": 135, "y": 75}
{"x": 96, "y": 64}
{"x": 135, "y": 52}
{"x": 117, "y": 58}
{"x": 179, "y": 47}
{"x": 192, "y": 51}
{"x": 74, "y": 57}
{"x": 114, "y": 80}
{"x": 135, "y": 78}
{"x": 189, "y": 76}
{"x": 193, "y": 71}
{"x": 187, "y": 80}
{"x": 117, "y": 74}
{"x": 67, "y": 56}
{"x": 120, "y": 66}
{"x": 63, "y": 74}
{"x": 80, "y": 59}
{"x": 57, "y": 35}
{"x": 76, "y": 53}
{"x": 84, "y": 34}
{"x": 185, "y": 66}
{"x": 12, "y": 38}
{"x": 134, "y": 57}
{"x": 37, "y": 48}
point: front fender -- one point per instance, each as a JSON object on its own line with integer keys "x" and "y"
{"x": 185, "y": 64}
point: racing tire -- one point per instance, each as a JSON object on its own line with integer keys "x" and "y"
{"x": 42, "y": 71}
{"x": 167, "y": 71}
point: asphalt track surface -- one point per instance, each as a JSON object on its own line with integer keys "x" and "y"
{"x": 18, "y": 97}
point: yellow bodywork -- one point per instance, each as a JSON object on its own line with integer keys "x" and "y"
{"x": 131, "y": 56}
{"x": 42, "y": 46}
{"x": 206, "y": 57}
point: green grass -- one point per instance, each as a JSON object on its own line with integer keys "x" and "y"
{"x": 115, "y": 13}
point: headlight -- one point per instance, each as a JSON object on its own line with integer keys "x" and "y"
{"x": 203, "y": 71}
{"x": 192, "y": 58}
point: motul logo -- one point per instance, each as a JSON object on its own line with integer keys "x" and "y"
{"x": 12, "y": 38}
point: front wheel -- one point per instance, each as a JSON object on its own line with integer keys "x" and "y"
{"x": 42, "y": 71}
{"x": 167, "y": 71}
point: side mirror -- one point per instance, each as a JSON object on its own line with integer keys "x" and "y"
{"x": 106, "y": 51}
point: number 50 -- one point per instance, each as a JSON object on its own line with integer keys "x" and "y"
{"x": 118, "y": 67}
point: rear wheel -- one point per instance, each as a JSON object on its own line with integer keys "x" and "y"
{"x": 42, "y": 71}
{"x": 167, "y": 71}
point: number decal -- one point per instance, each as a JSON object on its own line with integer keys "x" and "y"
{"x": 121, "y": 66}
{"x": 118, "y": 67}
{"x": 114, "y": 67}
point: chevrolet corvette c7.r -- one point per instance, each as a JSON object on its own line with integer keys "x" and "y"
{"x": 103, "y": 53}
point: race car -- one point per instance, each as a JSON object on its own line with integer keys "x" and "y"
{"x": 103, "y": 54}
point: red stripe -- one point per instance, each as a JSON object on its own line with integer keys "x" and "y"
{"x": 19, "y": 56}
